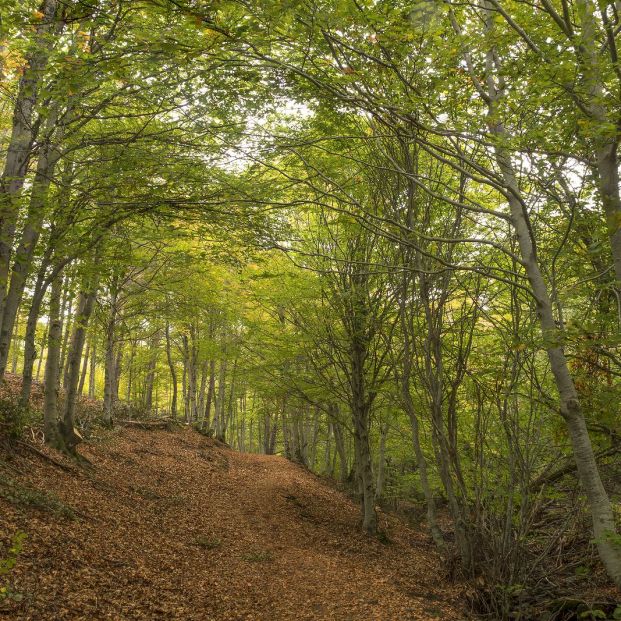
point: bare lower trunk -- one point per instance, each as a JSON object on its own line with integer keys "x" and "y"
{"x": 365, "y": 475}
{"x": 84, "y": 371}
{"x": 30, "y": 352}
{"x": 340, "y": 449}
{"x": 52, "y": 369}
{"x": 110, "y": 367}
{"x": 202, "y": 392}
{"x": 219, "y": 422}
{"x": 15, "y": 344}
{"x": 84, "y": 311}
{"x": 92, "y": 371}
{"x": 211, "y": 389}
{"x": 173, "y": 374}
{"x": 150, "y": 377}
{"x": 118, "y": 366}
{"x": 381, "y": 463}
{"x": 67, "y": 318}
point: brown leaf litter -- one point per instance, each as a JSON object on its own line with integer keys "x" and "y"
{"x": 168, "y": 525}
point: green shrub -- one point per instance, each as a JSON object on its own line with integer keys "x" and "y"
{"x": 258, "y": 556}
{"x": 14, "y": 418}
{"x": 22, "y": 496}
{"x": 8, "y": 562}
{"x": 209, "y": 543}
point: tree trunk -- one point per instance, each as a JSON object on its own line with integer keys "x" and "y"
{"x": 84, "y": 368}
{"x": 92, "y": 371}
{"x": 23, "y": 134}
{"x": 51, "y": 428}
{"x": 360, "y": 406}
{"x": 211, "y": 390}
{"x": 381, "y": 462}
{"x": 365, "y": 473}
{"x": 109, "y": 365}
{"x": 410, "y": 410}
{"x": 604, "y": 526}
{"x": 150, "y": 377}
{"x": 83, "y": 314}
{"x": 173, "y": 374}
{"x": 46, "y": 164}
{"x": 219, "y": 422}
{"x": 67, "y": 318}
{"x": 118, "y": 366}
{"x": 15, "y": 344}
{"x": 202, "y": 391}
{"x": 339, "y": 440}
{"x": 605, "y": 143}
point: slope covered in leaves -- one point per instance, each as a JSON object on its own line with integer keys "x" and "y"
{"x": 169, "y": 525}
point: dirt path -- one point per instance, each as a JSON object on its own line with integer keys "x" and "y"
{"x": 168, "y": 526}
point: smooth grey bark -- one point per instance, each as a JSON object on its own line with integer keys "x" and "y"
{"x": 67, "y": 318}
{"x": 193, "y": 405}
{"x": 339, "y": 441}
{"x": 85, "y": 306}
{"x": 173, "y": 373}
{"x": 85, "y": 364}
{"x": 604, "y": 525}
{"x": 15, "y": 343}
{"x": 327, "y": 457}
{"x": 130, "y": 371}
{"x": 312, "y": 458}
{"x": 190, "y": 354}
{"x": 46, "y": 164}
{"x": 51, "y": 428}
{"x": 23, "y": 133}
{"x": 407, "y": 329}
{"x": 444, "y": 441}
{"x": 220, "y": 413}
{"x": 118, "y": 366}
{"x": 381, "y": 462}
{"x": 151, "y": 368}
{"x": 270, "y": 431}
{"x": 596, "y": 65}
{"x": 232, "y": 401}
{"x": 202, "y": 393}
{"x": 92, "y": 370}
{"x": 356, "y": 324}
{"x": 110, "y": 361}
{"x": 186, "y": 382}
{"x": 30, "y": 352}
{"x": 211, "y": 391}
{"x": 365, "y": 471}
{"x": 41, "y": 356}
{"x": 592, "y": 101}
{"x": 603, "y": 520}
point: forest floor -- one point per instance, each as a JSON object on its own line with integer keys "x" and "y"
{"x": 170, "y": 525}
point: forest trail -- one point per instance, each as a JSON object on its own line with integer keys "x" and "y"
{"x": 167, "y": 525}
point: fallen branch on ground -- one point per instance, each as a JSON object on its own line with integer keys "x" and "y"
{"x": 146, "y": 424}
{"x": 35, "y": 450}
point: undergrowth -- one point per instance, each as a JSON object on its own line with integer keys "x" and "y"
{"x": 7, "y": 564}
{"x": 22, "y": 496}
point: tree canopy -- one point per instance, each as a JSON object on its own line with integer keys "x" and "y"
{"x": 381, "y": 238}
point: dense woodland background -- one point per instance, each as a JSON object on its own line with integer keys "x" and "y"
{"x": 380, "y": 238}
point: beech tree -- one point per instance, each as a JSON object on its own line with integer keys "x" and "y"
{"x": 382, "y": 239}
